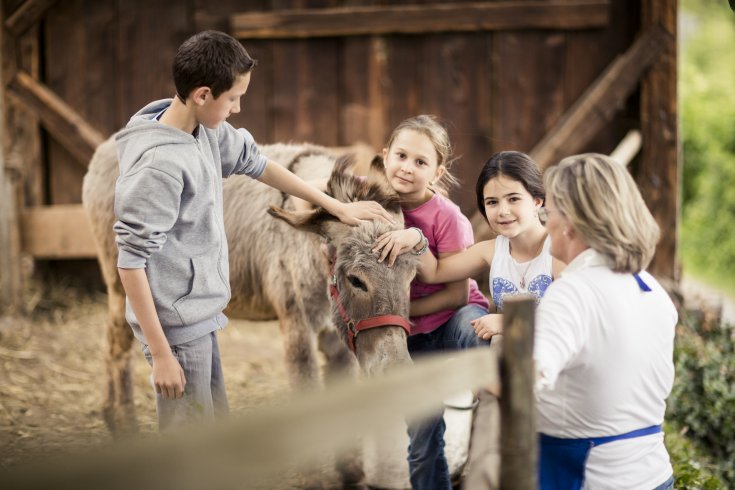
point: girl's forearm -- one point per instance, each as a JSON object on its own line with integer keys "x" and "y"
{"x": 452, "y": 297}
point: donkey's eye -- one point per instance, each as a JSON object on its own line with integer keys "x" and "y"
{"x": 356, "y": 282}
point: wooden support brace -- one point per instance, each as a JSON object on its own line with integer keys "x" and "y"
{"x": 67, "y": 126}
{"x": 599, "y": 103}
{"x": 25, "y": 16}
{"x": 413, "y": 19}
{"x": 628, "y": 148}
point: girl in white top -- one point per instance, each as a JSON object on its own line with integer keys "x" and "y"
{"x": 604, "y": 335}
{"x": 509, "y": 194}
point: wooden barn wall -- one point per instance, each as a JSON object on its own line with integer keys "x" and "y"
{"x": 494, "y": 90}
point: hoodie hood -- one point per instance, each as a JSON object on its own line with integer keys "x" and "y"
{"x": 144, "y": 133}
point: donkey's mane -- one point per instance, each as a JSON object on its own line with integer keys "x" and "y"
{"x": 346, "y": 187}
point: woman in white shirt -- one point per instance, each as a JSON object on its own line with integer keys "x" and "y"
{"x": 604, "y": 335}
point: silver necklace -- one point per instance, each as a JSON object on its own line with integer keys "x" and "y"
{"x": 528, "y": 265}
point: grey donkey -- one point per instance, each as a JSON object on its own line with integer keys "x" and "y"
{"x": 279, "y": 269}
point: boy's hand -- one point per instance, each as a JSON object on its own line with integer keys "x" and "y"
{"x": 168, "y": 377}
{"x": 395, "y": 243}
{"x": 352, "y": 213}
{"x": 488, "y": 325}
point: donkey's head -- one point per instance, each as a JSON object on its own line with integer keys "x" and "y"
{"x": 370, "y": 301}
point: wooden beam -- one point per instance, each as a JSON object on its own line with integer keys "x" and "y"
{"x": 28, "y": 14}
{"x": 425, "y": 18}
{"x": 628, "y": 148}
{"x": 67, "y": 126}
{"x": 61, "y": 231}
{"x": 11, "y": 188}
{"x": 659, "y": 171}
{"x": 599, "y": 103}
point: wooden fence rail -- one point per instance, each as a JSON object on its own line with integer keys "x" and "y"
{"x": 259, "y": 445}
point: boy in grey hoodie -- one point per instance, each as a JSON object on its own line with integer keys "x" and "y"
{"x": 170, "y": 231}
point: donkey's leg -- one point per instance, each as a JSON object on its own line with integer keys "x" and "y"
{"x": 300, "y": 350}
{"x": 340, "y": 362}
{"x": 119, "y": 408}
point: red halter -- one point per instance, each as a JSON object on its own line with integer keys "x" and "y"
{"x": 371, "y": 322}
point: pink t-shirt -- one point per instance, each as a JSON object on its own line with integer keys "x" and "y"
{"x": 448, "y": 230}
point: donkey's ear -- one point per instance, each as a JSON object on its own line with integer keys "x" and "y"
{"x": 377, "y": 170}
{"x": 314, "y": 221}
{"x": 342, "y": 184}
{"x": 377, "y": 165}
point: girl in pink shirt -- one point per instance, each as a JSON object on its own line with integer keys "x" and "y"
{"x": 416, "y": 159}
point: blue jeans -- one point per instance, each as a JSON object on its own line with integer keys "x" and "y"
{"x": 204, "y": 394}
{"x": 667, "y": 485}
{"x": 426, "y": 461}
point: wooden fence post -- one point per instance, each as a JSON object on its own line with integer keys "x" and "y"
{"x": 10, "y": 187}
{"x": 518, "y": 438}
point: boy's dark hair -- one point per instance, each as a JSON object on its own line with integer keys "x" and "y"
{"x": 514, "y": 165}
{"x": 209, "y": 59}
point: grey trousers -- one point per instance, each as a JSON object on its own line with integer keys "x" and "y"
{"x": 204, "y": 395}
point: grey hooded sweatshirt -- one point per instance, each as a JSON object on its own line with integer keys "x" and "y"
{"x": 168, "y": 205}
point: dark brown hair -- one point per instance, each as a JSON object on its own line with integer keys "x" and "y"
{"x": 210, "y": 59}
{"x": 514, "y": 165}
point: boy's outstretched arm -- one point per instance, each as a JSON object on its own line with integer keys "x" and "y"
{"x": 168, "y": 377}
{"x": 350, "y": 213}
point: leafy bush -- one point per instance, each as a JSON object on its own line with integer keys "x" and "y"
{"x": 691, "y": 468}
{"x": 702, "y": 402}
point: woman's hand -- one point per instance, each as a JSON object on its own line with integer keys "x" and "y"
{"x": 395, "y": 243}
{"x": 352, "y": 213}
{"x": 488, "y": 325}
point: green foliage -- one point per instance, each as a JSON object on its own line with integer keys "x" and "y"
{"x": 702, "y": 402}
{"x": 686, "y": 458}
{"x": 707, "y": 92}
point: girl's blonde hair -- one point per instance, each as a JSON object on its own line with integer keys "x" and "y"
{"x": 437, "y": 134}
{"x": 605, "y": 207}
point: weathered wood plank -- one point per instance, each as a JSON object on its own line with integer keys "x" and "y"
{"x": 27, "y": 15}
{"x": 62, "y": 231}
{"x": 362, "y": 67}
{"x": 25, "y": 146}
{"x": 413, "y": 19}
{"x": 11, "y": 280}
{"x": 454, "y": 85}
{"x": 146, "y": 47}
{"x": 660, "y": 167}
{"x": 589, "y": 52}
{"x": 527, "y": 95}
{"x": 64, "y": 123}
{"x": 255, "y": 113}
{"x": 305, "y": 85}
{"x": 517, "y": 408}
{"x": 362, "y": 115}
{"x": 66, "y": 54}
{"x": 601, "y": 100}
{"x": 528, "y": 84}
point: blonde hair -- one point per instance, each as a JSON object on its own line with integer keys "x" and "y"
{"x": 605, "y": 207}
{"x": 437, "y": 134}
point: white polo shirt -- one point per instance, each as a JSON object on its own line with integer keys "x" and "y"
{"x": 604, "y": 360}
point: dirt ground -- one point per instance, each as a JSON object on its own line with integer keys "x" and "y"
{"x": 52, "y": 377}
